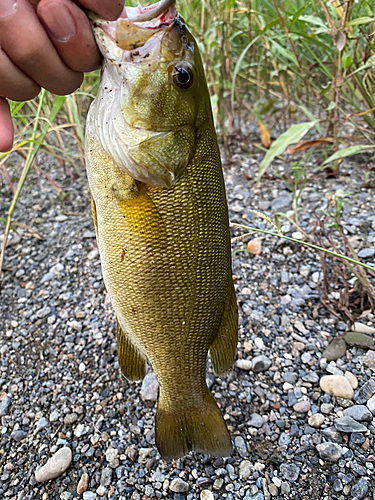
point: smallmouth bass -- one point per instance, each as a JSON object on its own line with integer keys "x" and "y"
{"x": 161, "y": 220}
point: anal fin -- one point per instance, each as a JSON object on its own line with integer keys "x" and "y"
{"x": 132, "y": 362}
{"x": 223, "y": 348}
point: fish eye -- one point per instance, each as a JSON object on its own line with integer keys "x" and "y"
{"x": 183, "y": 76}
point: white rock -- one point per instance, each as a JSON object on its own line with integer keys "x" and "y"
{"x": 207, "y": 495}
{"x": 361, "y": 328}
{"x": 316, "y": 420}
{"x": 150, "y": 387}
{"x": 337, "y": 385}
{"x": 244, "y": 364}
{"x": 178, "y": 485}
{"x": 55, "y": 466}
{"x": 352, "y": 379}
{"x": 371, "y": 405}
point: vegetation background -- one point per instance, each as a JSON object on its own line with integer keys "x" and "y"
{"x": 290, "y": 67}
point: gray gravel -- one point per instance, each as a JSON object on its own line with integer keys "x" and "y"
{"x": 61, "y": 386}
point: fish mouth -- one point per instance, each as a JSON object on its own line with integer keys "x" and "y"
{"x": 135, "y": 25}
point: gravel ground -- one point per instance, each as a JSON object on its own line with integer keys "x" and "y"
{"x": 61, "y": 387}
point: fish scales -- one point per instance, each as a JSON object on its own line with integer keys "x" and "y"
{"x": 165, "y": 254}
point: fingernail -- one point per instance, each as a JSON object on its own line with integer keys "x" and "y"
{"x": 59, "y": 21}
{"x": 7, "y": 8}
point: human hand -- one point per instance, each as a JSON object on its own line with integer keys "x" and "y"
{"x": 45, "y": 43}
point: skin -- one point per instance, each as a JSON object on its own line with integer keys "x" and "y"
{"x": 46, "y": 43}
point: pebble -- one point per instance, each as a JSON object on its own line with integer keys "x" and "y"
{"x": 83, "y": 484}
{"x": 241, "y": 447}
{"x": 41, "y": 424}
{"x": 365, "y": 392}
{"x": 329, "y": 451}
{"x": 336, "y": 349}
{"x": 352, "y": 379}
{"x": 371, "y": 405}
{"x": 358, "y": 412}
{"x": 150, "y": 387}
{"x": 359, "y": 490}
{"x": 261, "y": 363}
{"x": 4, "y": 405}
{"x": 256, "y": 420}
{"x": 55, "y": 466}
{"x": 369, "y": 359}
{"x": 178, "y": 485}
{"x": 244, "y": 364}
{"x": 337, "y": 385}
{"x": 302, "y": 406}
{"x": 245, "y": 469}
{"x": 360, "y": 327}
{"x": 89, "y": 495}
{"x": 316, "y": 420}
{"x": 326, "y": 408}
{"x": 357, "y": 338}
{"x": 365, "y": 253}
{"x": 348, "y": 424}
{"x": 290, "y": 471}
{"x": 206, "y": 495}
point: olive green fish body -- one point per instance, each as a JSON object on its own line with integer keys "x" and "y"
{"x": 165, "y": 254}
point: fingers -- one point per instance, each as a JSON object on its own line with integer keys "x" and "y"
{"x": 107, "y": 9}
{"x": 6, "y": 127}
{"x": 27, "y": 45}
{"x": 75, "y": 44}
{"x": 14, "y": 84}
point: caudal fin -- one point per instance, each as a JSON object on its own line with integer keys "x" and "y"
{"x": 191, "y": 429}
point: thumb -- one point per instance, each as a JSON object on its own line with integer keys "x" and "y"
{"x": 6, "y": 126}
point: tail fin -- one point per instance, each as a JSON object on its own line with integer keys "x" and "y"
{"x": 181, "y": 430}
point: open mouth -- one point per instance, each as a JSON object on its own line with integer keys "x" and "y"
{"x": 138, "y": 24}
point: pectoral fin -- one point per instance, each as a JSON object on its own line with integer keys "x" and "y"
{"x": 223, "y": 349}
{"x": 132, "y": 362}
{"x": 94, "y": 217}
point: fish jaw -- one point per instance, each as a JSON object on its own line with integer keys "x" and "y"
{"x": 138, "y": 105}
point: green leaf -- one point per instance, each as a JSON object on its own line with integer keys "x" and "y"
{"x": 314, "y": 20}
{"x": 239, "y": 64}
{"x": 352, "y": 150}
{"x": 361, "y": 20}
{"x": 291, "y": 136}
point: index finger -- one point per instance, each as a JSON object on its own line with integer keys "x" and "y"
{"x": 107, "y": 9}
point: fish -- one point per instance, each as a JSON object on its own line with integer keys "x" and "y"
{"x": 161, "y": 219}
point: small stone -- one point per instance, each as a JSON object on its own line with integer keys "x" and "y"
{"x": 5, "y": 402}
{"x": 316, "y": 420}
{"x": 256, "y": 420}
{"x": 360, "y": 327}
{"x": 101, "y": 490}
{"x": 302, "y": 406}
{"x": 272, "y": 488}
{"x": 79, "y": 430}
{"x": 359, "y": 413}
{"x": 54, "y": 416}
{"x": 106, "y": 476}
{"x": 336, "y": 349}
{"x": 306, "y": 357}
{"x": 360, "y": 489}
{"x": 348, "y": 424}
{"x": 244, "y": 364}
{"x": 365, "y": 392}
{"x": 255, "y": 246}
{"x": 245, "y": 469}
{"x": 83, "y": 484}
{"x": 66, "y": 495}
{"x": 371, "y": 405}
{"x": 337, "y": 385}
{"x": 150, "y": 387}
{"x": 89, "y": 495}
{"x": 332, "y": 434}
{"x": 18, "y": 435}
{"x": 41, "y": 424}
{"x": 261, "y": 363}
{"x": 70, "y": 418}
{"x": 111, "y": 454}
{"x": 241, "y": 447}
{"x": 143, "y": 453}
{"x": 178, "y": 485}
{"x": 206, "y": 495}
{"x": 369, "y": 359}
{"x": 352, "y": 379}
{"x": 45, "y": 311}
{"x": 329, "y": 451}
{"x": 357, "y": 338}
{"x": 284, "y": 439}
{"x": 290, "y": 471}
{"x": 365, "y": 253}
{"x": 326, "y": 408}
{"x": 218, "y": 483}
{"x": 55, "y": 466}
